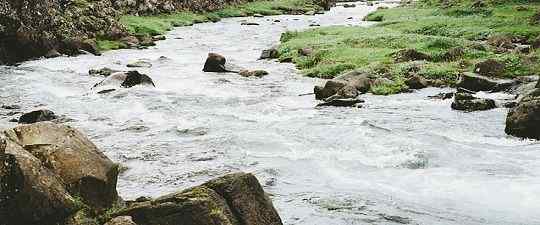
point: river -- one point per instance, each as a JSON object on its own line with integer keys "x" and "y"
{"x": 401, "y": 159}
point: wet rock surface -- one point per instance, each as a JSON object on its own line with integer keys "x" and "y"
{"x": 467, "y": 102}
{"x": 523, "y": 120}
{"x": 37, "y": 116}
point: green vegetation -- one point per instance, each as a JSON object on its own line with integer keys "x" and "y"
{"x": 155, "y": 25}
{"x": 453, "y": 38}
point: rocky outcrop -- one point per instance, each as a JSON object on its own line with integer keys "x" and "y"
{"x": 490, "y": 68}
{"x": 49, "y": 172}
{"x": 524, "y": 119}
{"x": 235, "y": 199}
{"x": 35, "y": 28}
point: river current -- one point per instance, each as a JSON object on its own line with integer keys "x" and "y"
{"x": 400, "y": 159}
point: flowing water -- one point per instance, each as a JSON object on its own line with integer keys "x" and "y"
{"x": 400, "y": 159}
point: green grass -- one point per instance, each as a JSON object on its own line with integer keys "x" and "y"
{"x": 427, "y": 28}
{"x": 155, "y": 25}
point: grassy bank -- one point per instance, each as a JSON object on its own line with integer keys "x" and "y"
{"x": 159, "y": 24}
{"x": 453, "y": 38}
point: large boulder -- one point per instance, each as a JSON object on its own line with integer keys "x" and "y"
{"x": 72, "y": 157}
{"x": 360, "y": 80}
{"x": 30, "y": 193}
{"x": 235, "y": 199}
{"x": 524, "y": 119}
{"x": 271, "y": 53}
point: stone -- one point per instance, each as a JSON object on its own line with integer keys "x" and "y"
{"x": 469, "y": 103}
{"x": 102, "y": 72}
{"x": 416, "y": 82}
{"x": 524, "y": 119}
{"x": 140, "y": 64}
{"x": 121, "y": 220}
{"x": 125, "y": 80}
{"x": 215, "y": 63}
{"x": 305, "y": 51}
{"x": 271, "y": 53}
{"x": 85, "y": 171}
{"x": 406, "y": 55}
{"x": 349, "y": 5}
{"x": 246, "y": 198}
{"x": 37, "y": 116}
{"x": 29, "y": 191}
{"x": 347, "y": 102}
{"x": 490, "y": 68}
{"x": 253, "y": 73}
{"x": 475, "y": 82}
{"x": 250, "y": 24}
{"x": 53, "y": 53}
{"x": 331, "y": 87}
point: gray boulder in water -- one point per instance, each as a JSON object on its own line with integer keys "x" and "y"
{"x": 37, "y": 116}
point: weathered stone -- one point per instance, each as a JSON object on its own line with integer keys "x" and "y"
{"x": 524, "y": 119}
{"x": 475, "y": 82}
{"x": 126, "y": 80}
{"x": 199, "y": 205}
{"x": 69, "y": 154}
{"x": 305, "y": 51}
{"x": 246, "y": 198}
{"x": 416, "y": 82}
{"x": 331, "y": 87}
{"x": 271, "y": 53}
{"x": 469, "y": 103}
{"x": 215, "y": 63}
{"x": 37, "y": 116}
{"x": 345, "y": 102}
{"x": 489, "y": 68}
{"x": 140, "y": 63}
{"x": 102, "y": 72}
{"x": 406, "y": 55}
{"x": 253, "y": 73}
{"x": 121, "y": 220}
{"x": 30, "y": 194}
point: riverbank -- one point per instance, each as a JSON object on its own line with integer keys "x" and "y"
{"x": 52, "y": 29}
{"x": 427, "y": 39}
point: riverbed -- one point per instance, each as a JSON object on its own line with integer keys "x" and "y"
{"x": 400, "y": 159}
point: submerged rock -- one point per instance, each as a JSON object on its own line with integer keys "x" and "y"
{"x": 105, "y": 71}
{"x": 140, "y": 63}
{"x": 524, "y": 119}
{"x": 253, "y": 73}
{"x": 37, "y": 116}
{"x": 342, "y": 102}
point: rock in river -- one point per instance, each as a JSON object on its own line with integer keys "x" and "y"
{"x": 524, "y": 119}
{"x": 125, "y": 80}
{"x": 475, "y": 82}
{"x": 271, "y": 53}
{"x": 235, "y": 199}
{"x": 344, "y": 102}
{"x": 253, "y": 73}
{"x": 37, "y": 116}
{"x": 215, "y": 63}
{"x": 469, "y": 103}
